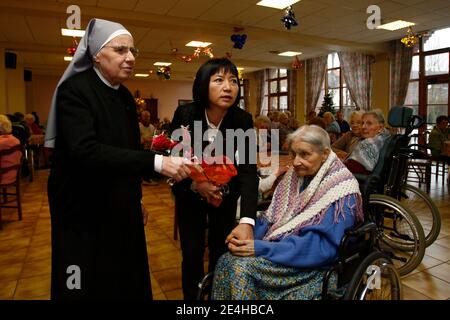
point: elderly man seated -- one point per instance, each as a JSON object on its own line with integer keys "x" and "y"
{"x": 298, "y": 236}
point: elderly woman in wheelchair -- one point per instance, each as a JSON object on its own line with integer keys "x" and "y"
{"x": 297, "y": 239}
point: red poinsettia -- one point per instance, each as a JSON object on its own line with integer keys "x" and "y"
{"x": 161, "y": 143}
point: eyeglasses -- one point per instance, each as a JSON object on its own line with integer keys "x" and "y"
{"x": 123, "y": 50}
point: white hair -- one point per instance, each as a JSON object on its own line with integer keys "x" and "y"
{"x": 311, "y": 134}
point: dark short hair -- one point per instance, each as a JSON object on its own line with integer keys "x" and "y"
{"x": 200, "y": 89}
{"x": 441, "y": 118}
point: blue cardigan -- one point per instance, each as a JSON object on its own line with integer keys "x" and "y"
{"x": 313, "y": 247}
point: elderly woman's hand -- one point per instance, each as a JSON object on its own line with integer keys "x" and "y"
{"x": 242, "y": 248}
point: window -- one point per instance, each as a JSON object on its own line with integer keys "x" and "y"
{"x": 428, "y": 89}
{"x": 334, "y": 83}
{"x": 278, "y": 87}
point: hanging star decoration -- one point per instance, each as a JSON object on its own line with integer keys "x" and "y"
{"x": 411, "y": 39}
{"x": 289, "y": 18}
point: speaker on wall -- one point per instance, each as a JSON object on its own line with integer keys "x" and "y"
{"x": 10, "y": 60}
{"x": 27, "y": 75}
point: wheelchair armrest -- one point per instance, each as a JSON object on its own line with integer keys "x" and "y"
{"x": 365, "y": 227}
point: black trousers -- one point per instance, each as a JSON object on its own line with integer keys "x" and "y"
{"x": 194, "y": 217}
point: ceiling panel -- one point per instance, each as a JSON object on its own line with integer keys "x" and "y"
{"x": 118, "y": 4}
{"x": 191, "y": 8}
{"x": 45, "y": 30}
{"x": 80, "y": 2}
{"x": 156, "y": 7}
{"x": 225, "y": 10}
{"x": 15, "y": 28}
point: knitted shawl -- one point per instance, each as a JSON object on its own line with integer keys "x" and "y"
{"x": 367, "y": 151}
{"x": 292, "y": 209}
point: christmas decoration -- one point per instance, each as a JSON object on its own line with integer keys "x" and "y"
{"x": 411, "y": 39}
{"x": 163, "y": 73}
{"x": 327, "y": 105}
{"x": 296, "y": 64}
{"x": 289, "y": 18}
{"x": 71, "y": 50}
{"x": 238, "y": 40}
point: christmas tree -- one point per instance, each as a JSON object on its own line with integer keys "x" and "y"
{"x": 327, "y": 105}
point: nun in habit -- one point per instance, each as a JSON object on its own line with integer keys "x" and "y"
{"x": 94, "y": 188}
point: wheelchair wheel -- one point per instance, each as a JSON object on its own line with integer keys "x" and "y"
{"x": 376, "y": 278}
{"x": 400, "y": 233}
{"x": 425, "y": 210}
{"x": 205, "y": 287}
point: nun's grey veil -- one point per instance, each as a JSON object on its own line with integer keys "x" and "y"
{"x": 98, "y": 33}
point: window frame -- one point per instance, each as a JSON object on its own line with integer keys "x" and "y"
{"x": 278, "y": 94}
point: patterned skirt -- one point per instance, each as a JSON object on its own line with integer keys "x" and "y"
{"x": 255, "y": 278}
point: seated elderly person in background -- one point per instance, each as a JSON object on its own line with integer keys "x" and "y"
{"x": 7, "y": 141}
{"x": 364, "y": 156}
{"x": 297, "y": 238}
{"x": 439, "y": 135}
{"x": 345, "y": 144}
{"x": 34, "y": 127}
{"x": 332, "y": 126}
{"x": 284, "y": 130}
{"x": 146, "y": 129}
{"x": 343, "y": 125}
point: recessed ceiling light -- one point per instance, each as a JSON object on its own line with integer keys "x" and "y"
{"x": 72, "y": 32}
{"x": 289, "y": 53}
{"x": 277, "y": 4}
{"x": 198, "y": 44}
{"x": 395, "y": 25}
{"x": 68, "y": 58}
{"x": 162, "y": 64}
{"x": 141, "y": 75}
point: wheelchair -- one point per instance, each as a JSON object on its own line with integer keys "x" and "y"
{"x": 363, "y": 271}
{"x": 392, "y": 200}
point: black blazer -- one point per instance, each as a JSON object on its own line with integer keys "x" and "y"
{"x": 245, "y": 184}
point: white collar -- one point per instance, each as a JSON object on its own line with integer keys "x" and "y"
{"x": 104, "y": 79}
{"x": 212, "y": 125}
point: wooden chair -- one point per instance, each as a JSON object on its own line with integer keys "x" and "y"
{"x": 439, "y": 162}
{"x": 4, "y": 201}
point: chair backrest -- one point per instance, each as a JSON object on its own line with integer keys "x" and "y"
{"x": 5, "y": 171}
{"x": 19, "y": 132}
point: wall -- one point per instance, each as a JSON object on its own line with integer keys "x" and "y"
{"x": 2, "y": 83}
{"x": 15, "y": 90}
{"x": 167, "y": 93}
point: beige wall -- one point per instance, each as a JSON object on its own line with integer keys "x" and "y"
{"x": 15, "y": 90}
{"x": 301, "y": 95}
{"x": 380, "y": 83}
{"x": 167, "y": 93}
{"x": 2, "y": 84}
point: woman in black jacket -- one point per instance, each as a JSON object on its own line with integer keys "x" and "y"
{"x": 214, "y": 112}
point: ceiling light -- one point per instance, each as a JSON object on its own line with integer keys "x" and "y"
{"x": 240, "y": 69}
{"x": 395, "y": 25}
{"x": 198, "y": 44}
{"x": 277, "y": 4}
{"x": 141, "y": 75}
{"x": 72, "y": 32}
{"x": 68, "y": 58}
{"x": 162, "y": 64}
{"x": 289, "y": 53}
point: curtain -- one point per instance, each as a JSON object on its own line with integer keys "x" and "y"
{"x": 246, "y": 87}
{"x": 315, "y": 74}
{"x": 400, "y": 62}
{"x": 261, "y": 91}
{"x": 356, "y": 68}
{"x": 292, "y": 92}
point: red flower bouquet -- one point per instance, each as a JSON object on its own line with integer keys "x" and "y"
{"x": 217, "y": 170}
{"x": 162, "y": 144}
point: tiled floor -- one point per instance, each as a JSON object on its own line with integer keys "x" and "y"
{"x": 25, "y": 251}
